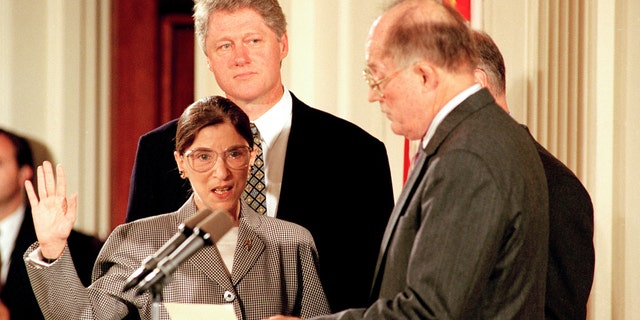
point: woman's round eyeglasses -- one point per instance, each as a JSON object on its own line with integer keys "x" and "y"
{"x": 202, "y": 160}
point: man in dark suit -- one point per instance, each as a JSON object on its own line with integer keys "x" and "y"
{"x": 322, "y": 172}
{"x": 571, "y": 253}
{"x": 16, "y": 224}
{"x": 467, "y": 238}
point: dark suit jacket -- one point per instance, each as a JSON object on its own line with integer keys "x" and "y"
{"x": 17, "y": 293}
{"x": 571, "y": 252}
{"x": 274, "y": 272}
{"x": 336, "y": 183}
{"x": 467, "y": 238}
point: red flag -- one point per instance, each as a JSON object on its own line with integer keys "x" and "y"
{"x": 464, "y": 7}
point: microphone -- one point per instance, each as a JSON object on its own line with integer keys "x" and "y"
{"x": 207, "y": 232}
{"x": 184, "y": 231}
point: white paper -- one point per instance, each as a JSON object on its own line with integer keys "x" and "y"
{"x": 192, "y": 311}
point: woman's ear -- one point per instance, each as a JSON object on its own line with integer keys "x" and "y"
{"x": 180, "y": 163}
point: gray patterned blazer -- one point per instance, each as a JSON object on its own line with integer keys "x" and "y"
{"x": 275, "y": 271}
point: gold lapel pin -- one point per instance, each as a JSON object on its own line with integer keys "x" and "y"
{"x": 247, "y": 244}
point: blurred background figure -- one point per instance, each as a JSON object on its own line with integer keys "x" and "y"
{"x": 17, "y": 232}
{"x": 571, "y": 253}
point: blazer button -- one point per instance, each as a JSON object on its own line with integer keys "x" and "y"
{"x": 229, "y": 296}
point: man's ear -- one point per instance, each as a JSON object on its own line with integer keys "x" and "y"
{"x": 481, "y": 77}
{"x": 26, "y": 173}
{"x": 284, "y": 46}
{"x": 209, "y": 65}
{"x": 429, "y": 74}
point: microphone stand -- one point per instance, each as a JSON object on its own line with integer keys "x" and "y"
{"x": 207, "y": 232}
{"x": 156, "y": 292}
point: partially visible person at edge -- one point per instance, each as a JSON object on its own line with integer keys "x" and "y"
{"x": 322, "y": 172}
{"x": 468, "y": 237}
{"x": 17, "y": 300}
{"x": 261, "y": 265}
{"x": 571, "y": 260}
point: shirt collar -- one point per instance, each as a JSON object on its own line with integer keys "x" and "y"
{"x": 448, "y": 107}
{"x": 272, "y": 122}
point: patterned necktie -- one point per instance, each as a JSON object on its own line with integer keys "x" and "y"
{"x": 254, "y": 193}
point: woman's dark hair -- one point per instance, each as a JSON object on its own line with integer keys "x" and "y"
{"x": 210, "y": 111}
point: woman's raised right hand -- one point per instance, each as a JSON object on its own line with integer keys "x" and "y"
{"x": 53, "y": 213}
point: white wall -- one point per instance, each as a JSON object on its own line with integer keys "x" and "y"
{"x": 53, "y": 78}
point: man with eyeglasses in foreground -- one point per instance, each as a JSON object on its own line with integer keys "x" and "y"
{"x": 322, "y": 172}
{"x": 467, "y": 238}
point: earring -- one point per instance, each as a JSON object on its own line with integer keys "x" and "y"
{"x": 182, "y": 175}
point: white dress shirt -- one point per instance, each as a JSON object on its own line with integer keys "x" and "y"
{"x": 9, "y": 228}
{"x": 227, "y": 247}
{"x": 275, "y": 126}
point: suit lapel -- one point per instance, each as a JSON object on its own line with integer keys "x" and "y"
{"x": 292, "y": 165}
{"x": 407, "y": 193}
{"x": 17, "y": 273}
{"x": 207, "y": 259}
{"x": 249, "y": 248}
{"x": 26, "y": 236}
{"x": 209, "y": 262}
